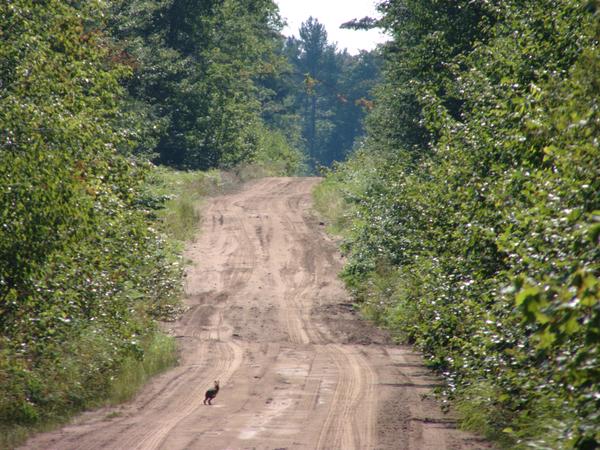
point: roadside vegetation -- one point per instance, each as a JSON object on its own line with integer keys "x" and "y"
{"x": 91, "y": 231}
{"x": 471, "y": 212}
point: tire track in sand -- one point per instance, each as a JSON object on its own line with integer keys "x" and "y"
{"x": 350, "y": 420}
{"x": 228, "y": 360}
{"x": 290, "y": 378}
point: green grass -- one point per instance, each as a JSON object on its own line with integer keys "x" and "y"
{"x": 13, "y": 436}
{"x": 330, "y": 204}
{"x": 477, "y": 415}
{"x": 179, "y": 194}
{"x": 159, "y": 355}
{"x": 538, "y": 426}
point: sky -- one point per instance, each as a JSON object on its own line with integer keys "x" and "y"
{"x": 332, "y": 13}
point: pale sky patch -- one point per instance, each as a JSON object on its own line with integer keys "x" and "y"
{"x": 333, "y": 13}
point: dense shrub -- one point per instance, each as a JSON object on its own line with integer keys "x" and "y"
{"x": 82, "y": 272}
{"x": 90, "y": 236}
{"x": 473, "y": 229}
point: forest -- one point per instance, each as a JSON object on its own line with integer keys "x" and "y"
{"x": 461, "y": 165}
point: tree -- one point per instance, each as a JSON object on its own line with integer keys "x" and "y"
{"x": 473, "y": 208}
{"x": 313, "y": 46}
{"x": 331, "y": 91}
{"x": 198, "y": 67}
{"x": 81, "y": 271}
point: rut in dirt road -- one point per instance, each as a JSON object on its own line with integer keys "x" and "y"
{"x": 270, "y": 320}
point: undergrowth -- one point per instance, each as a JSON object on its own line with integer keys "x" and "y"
{"x": 85, "y": 371}
{"x": 160, "y": 354}
{"x": 329, "y": 203}
{"x": 100, "y": 362}
{"x": 534, "y": 414}
{"x": 474, "y": 210}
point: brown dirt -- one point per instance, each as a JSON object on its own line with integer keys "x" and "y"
{"x": 270, "y": 320}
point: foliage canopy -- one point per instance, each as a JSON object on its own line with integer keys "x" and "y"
{"x": 473, "y": 208}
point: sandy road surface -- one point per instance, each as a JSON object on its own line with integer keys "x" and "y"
{"x": 269, "y": 319}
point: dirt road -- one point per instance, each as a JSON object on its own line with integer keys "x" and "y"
{"x": 269, "y": 319}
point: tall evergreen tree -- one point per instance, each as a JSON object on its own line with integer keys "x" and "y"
{"x": 313, "y": 48}
{"x": 331, "y": 91}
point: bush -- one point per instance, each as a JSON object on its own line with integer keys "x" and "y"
{"x": 83, "y": 271}
{"x": 474, "y": 230}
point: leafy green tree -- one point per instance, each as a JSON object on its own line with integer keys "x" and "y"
{"x": 474, "y": 201}
{"x": 80, "y": 270}
{"x": 198, "y": 71}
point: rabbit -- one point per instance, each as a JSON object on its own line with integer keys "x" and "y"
{"x": 211, "y": 393}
